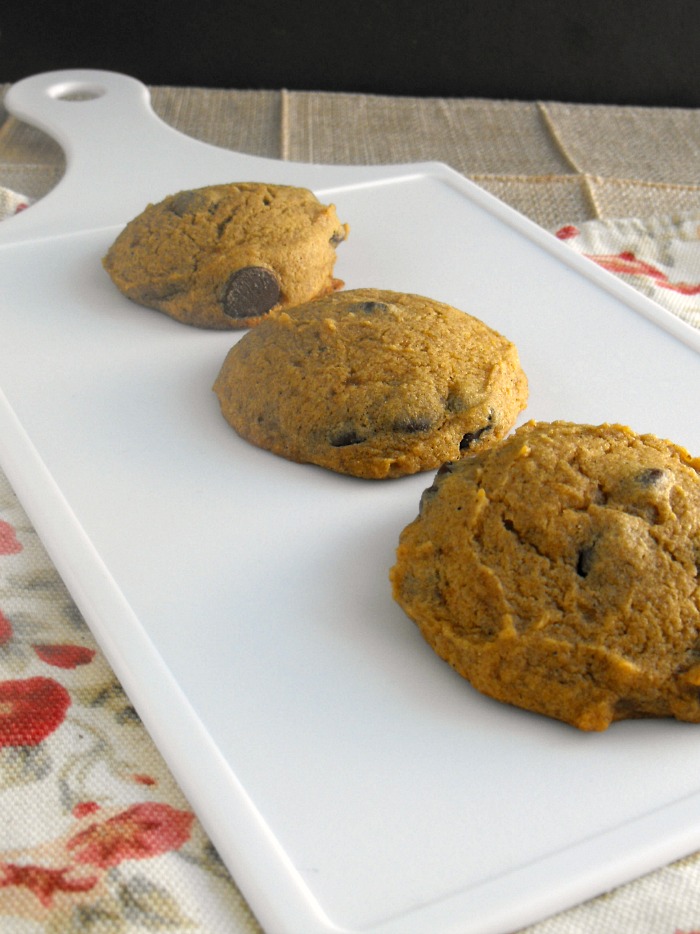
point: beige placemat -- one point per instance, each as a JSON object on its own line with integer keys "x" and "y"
{"x": 553, "y": 162}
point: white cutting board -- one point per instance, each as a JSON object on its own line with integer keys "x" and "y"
{"x": 349, "y": 779}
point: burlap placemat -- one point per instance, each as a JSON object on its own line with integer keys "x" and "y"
{"x": 553, "y": 162}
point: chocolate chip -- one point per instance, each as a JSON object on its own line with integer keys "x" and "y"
{"x": 368, "y": 308}
{"x": 649, "y": 477}
{"x": 471, "y": 436}
{"x": 584, "y": 562}
{"x": 338, "y": 237}
{"x": 412, "y": 425}
{"x": 186, "y": 202}
{"x": 445, "y": 468}
{"x": 250, "y": 292}
{"x": 345, "y": 437}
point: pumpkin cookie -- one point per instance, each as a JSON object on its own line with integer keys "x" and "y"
{"x": 225, "y": 255}
{"x": 372, "y": 383}
{"x": 559, "y": 572}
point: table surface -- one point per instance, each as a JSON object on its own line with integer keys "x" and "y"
{"x": 94, "y": 833}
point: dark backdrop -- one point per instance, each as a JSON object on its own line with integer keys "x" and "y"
{"x": 595, "y": 51}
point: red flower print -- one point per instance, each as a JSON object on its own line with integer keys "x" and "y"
{"x": 5, "y": 629}
{"x": 43, "y": 882}
{"x": 139, "y": 832}
{"x": 144, "y": 779}
{"x": 64, "y": 656}
{"x": 30, "y": 710}
{"x": 566, "y": 233}
{"x": 628, "y": 264}
{"x": 84, "y": 808}
{"x": 9, "y": 543}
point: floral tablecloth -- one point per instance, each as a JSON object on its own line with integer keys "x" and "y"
{"x": 95, "y": 836}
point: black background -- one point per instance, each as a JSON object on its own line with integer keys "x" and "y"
{"x": 588, "y": 51}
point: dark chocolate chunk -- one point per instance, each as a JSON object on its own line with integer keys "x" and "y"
{"x": 185, "y": 202}
{"x": 346, "y": 437}
{"x": 338, "y": 237}
{"x": 471, "y": 436}
{"x": 412, "y": 425}
{"x": 650, "y": 476}
{"x": 368, "y": 308}
{"x": 250, "y": 292}
{"x": 444, "y": 469}
{"x": 584, "y": 562}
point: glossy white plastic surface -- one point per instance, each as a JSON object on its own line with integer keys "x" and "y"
{"x": 349, "y": 779}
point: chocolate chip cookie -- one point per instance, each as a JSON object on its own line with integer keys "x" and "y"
{"x": 372, "y": 383}
{"x": 224, "y": 256}
{"x": 558, "y": 572}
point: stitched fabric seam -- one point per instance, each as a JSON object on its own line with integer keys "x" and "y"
{"x": 556, "y": 138}
{"x": 284, "y": 124}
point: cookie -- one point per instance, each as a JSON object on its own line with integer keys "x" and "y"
{"x": 226, "y": 255}
{"x": 372, "y": 383}
{"x": 558, "y": 572}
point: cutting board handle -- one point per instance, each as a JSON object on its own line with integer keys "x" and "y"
{"x": 119, "y": 154}
{"x": 69, "y": 105}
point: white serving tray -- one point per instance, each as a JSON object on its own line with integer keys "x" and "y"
{"x": 349, "y": 779}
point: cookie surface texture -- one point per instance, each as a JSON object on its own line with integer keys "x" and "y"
{"x": 559, "y": 573}
{"x": 372, "y": 383}
{"x": 225, "y": 255}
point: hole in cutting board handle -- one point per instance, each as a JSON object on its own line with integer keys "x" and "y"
{"x": 76, "y": 91}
